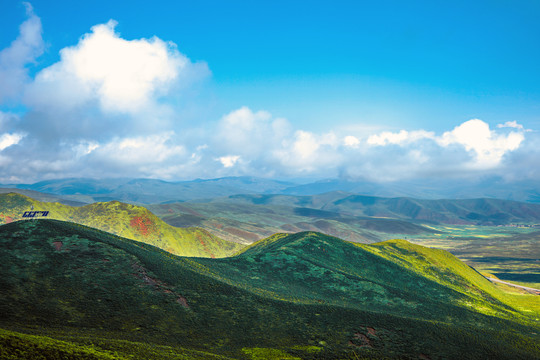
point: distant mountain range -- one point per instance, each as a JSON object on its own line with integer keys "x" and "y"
{"x": 252, "y": 209}
{"x": 290, "y": 296}
{"x": 150, "y": 191}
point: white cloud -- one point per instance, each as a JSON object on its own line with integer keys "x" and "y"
{"x": 229, "y": 161}
{"x": 351, "y": 141}
{"x": 307, "y": 152}
{"x": 109, "y": 107}
{"x": 513, "y": 124}
{"x": 21, "y": 52}
{"x": 249, "y": 134}
{"x": 401, "y": 137}
{"x": 7, "y": 140}
{"x": 245, "y": 131}
{"x": 139, "y": 150}
{"x": 488, "y": 147}
{"x": 120, "y": 75}
{"x": 84, "y": 148}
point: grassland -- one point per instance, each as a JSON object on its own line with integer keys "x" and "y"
{"x": 131, "y": 221}
{"x": 509, "y": 253}
{"x": 301, "y": 296}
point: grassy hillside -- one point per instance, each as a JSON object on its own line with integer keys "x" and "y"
{"x": 392, "y": 277}
{"x": 301, "y": 296}
{"x": 125, "y": 220}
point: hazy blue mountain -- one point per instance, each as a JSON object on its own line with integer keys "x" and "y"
{"x": 492, "y": 187}
{"x": 148, "y": 191}
{"x": 151, "y": 191}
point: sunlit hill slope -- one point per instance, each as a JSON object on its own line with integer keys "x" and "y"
{"x": 125, "y": 220}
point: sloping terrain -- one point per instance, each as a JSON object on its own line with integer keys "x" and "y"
{"x": 469, "y": 211}
{"x": 125, "y": 220}
{"x": 246, "y": 223}
{"x": 301, "y": 296}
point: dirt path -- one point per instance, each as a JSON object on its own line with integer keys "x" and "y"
{"x": 529, "y": 289}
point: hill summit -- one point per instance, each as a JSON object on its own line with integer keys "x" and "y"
{"x": 127, "y": 220}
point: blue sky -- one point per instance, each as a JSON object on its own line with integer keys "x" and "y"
{"x": 373, "y": 90}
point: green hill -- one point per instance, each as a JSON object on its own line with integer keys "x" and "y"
{"x": 131, "y": 221}
{"x": 72, "y": 288}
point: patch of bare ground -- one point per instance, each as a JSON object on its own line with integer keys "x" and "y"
{"x": 140, "y": 272}
{"x": 360, "y": 340}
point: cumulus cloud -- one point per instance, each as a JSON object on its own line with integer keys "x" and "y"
{"x": 488, "y": 147}
{"x": 307, "y": 152}
{"x": 400, "y": 137}
{"x": 120, "y": 75}
{"x": 108, "y": 107}
{"x": 351, "y": 141}
{"x": 245, "y": 132}
{"x": 268, "y": 146}
{"x": 139, "y": 150}
{"x": 21, "y": 52}
{"x": 229, "y": 160}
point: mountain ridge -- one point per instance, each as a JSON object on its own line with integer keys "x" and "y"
{"x": 126, "y": 220}
{"x": 157, "y": 191}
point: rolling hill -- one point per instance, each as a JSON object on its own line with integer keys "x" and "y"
{"x": 251, "y": 217}
{"x": 67, "y": 287}
{"x": 125, "y": 220}
{"x": 246, "y": 223}
{"x": 467, "y": 211}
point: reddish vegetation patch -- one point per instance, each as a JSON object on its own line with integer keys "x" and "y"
{"x": 371, "y": 331}
{"x": 424, "y": 357}
{"x": 204, "y": 246}
{"x": 7, "y": 219}
{"x": 57, "y": 245}
{"x": 360, "y": 340}
{"x": 143, "y": 224}
{"x": 140, "y": 272}
{"x": 182, "y": 301}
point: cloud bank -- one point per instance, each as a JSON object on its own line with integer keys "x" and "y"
{"x": 108, "y": 108}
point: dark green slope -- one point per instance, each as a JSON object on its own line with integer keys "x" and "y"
{"x": 109, "y": 295}
{"x": 393, "y": 277}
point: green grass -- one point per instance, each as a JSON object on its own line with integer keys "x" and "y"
{"x": 306, "y": 296}
{"x": 510, "y": 253}
{"x": 130, "y": 221}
